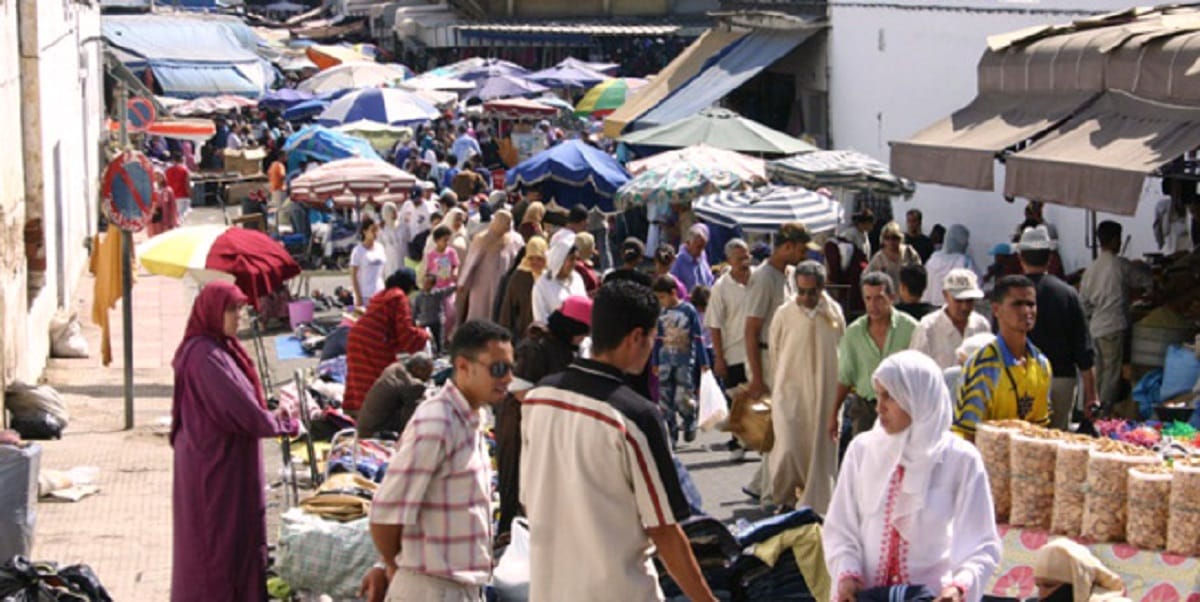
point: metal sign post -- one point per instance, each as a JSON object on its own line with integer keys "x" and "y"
{"x": 126, "y": 278}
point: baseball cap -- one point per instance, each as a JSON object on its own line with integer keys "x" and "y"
{"x": 962, "y": 284}
{"x": 1036, "y": 239}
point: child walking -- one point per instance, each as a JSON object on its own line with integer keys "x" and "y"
{"x": 678, "y": 349}
{"x": 429, "y": 309}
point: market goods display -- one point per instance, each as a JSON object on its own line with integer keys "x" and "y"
{"x": 993, "y": 440}
{"x": 1033, "y": 473}
{"x": 1183, "y": 523}
{"x": 1149, "y": 492}
{"x": 1107, "y": 486}
{"x": 1070, "y": 480}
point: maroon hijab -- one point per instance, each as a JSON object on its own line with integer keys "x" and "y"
{"x": 208, "y": 320}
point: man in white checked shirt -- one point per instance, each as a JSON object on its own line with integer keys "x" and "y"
{"x": 431, "y": 517}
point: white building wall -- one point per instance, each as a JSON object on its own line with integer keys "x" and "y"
{"x": 12, "y": 200}
{"x": 61, "y": 81}
{"x": 897, "y": 68}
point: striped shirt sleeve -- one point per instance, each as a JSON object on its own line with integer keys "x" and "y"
{"x": 421, "y": 453}
{"x": 980, "y": 375}
{"x": 660, "y": 497}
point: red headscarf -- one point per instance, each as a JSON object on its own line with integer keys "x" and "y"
{"x": 208, "y": 320}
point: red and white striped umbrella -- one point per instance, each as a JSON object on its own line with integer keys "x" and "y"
{"x": 350, "y": 181}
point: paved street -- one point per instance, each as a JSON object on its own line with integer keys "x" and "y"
{"x": 124, "y": 532}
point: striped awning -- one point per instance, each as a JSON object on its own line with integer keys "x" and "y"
{"x": 765, "y": 209}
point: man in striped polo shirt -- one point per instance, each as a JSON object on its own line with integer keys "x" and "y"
{"x": 597, "y": 477}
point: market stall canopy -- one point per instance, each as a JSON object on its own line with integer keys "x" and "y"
{"x": 189, "y": 57}
{"x": 680, "y": 70}
{"x": 721, "y": 128}
{"x": 325, "y": 56}
{"x": 284, "y": 6}
{"x": 350, "y": 181}
{"x": 571, "y": 173}
{"x": 556, "y": 102}
{"x": 476, "y": 69}
{"x": 437, "y": 82}
{"x": 504, "y": 86}
{"x": 196, "y": 130}
{"x": 284, "y": 98}
{"x": 605, "y": 68}
{"x": 321, "y": 144}
{"x": 1039, "y": 81}
{"x": 748, "y": 168}
{"x": 1100, "y": 157}
{"x": 308, "y": 109}
{"x": 678, "y": 183}
{"x": 353, "y": 75}
{"x": 725, "y": 72}
{"x": 567, "y": 77}
{"x": 212, "y": 105}
{"x": 518, "y": 108}
{"x": 764, "y": 209}
{"x": 383, "y": 138}
{"x": 845, "y": 169}
{"x": 608, "y": 96}
{"x": 389, "y": 106}
{"x": 258, "y": 264}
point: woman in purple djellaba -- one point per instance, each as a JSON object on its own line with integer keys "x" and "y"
{"x": 218, "y": 418}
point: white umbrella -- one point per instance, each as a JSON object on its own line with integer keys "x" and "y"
{"x": 437, "y": 82}
{"x": 349, "y": 181}
{"x": 352, "y": 75}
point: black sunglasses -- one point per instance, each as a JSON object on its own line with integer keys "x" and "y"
{"x": 497, "y": 369}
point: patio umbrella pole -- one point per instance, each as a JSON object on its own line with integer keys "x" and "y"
{"x": 126, "y": 278}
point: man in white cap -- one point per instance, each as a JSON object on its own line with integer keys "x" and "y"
{"x": 691, "y": 265}
{"x": 1061, "y": 331}
{"x": 939, "y": 334}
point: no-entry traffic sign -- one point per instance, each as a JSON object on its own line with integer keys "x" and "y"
{"x": 128, "y": 190}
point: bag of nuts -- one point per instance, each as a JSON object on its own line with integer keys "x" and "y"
{"x": 1032, "y": 459}
{"x": 993, "y": 440}
{"x": 1070, "y": 480}
{"x": 1183, "y": 524}
{"x": 1107, "y": 486}
{"x": 1149, "y": 490}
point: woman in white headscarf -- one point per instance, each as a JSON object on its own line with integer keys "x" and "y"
{"x": 912, "y": 504}
{"x": 391, "y": 237}
{"x": 560, "y": 279}
{"x": 952, "y": 255}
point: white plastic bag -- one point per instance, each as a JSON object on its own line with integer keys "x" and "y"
{"x": 712, "y": 402}
{"x": 511, "y": 576}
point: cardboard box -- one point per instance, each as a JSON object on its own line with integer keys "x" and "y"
{"x": 247, "y": 162}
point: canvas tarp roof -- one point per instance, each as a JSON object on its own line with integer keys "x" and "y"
{"x": 190, "y": 56}
{"x": 1041, "y": 82}
{"x": 675, "y": 74}
{"x": 1099, "y": 158}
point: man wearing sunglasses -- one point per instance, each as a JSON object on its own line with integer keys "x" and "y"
{"x": 592, "y": 449}
{"x": 431, "y": 517}
{"x": 804, "y": 339}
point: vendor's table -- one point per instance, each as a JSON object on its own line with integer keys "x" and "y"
{"x": 1148, "y": 576}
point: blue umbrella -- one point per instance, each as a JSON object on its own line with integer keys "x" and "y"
{"x": 283, "y": 98}
{"x": 389, "y": 106}
{"x": 488, "y": 68}
{"x": 561, "y": 76}
{"x": 571, "y": 173}
{"x": 305, "y": 110}
{"x": 321, "y": 144}
{"x": 504, "y": 86}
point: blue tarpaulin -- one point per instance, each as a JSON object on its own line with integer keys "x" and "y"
{"x": 190, "y": 56}
{"x": 571, "y": 173}
{"x": 723, "y": 73}
{"x": 316, "y": 143}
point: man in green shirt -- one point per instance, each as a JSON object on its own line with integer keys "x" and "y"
{"x": 872, "y": 337}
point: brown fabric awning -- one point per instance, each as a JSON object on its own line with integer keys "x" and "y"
{"x": 961, "y": 149}
{"x": 676, "y": 73}
{"x": 1099, "y": 158}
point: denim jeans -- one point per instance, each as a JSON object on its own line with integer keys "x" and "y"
{"x": 675, "y": 388}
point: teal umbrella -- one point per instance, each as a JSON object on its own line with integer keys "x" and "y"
{"x": 678, "y": 183}
{"x": 721, "y": 128}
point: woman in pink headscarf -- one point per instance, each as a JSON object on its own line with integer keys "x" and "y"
{"x": 218, "y": 419}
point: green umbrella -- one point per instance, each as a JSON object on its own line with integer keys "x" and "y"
{"x": 721, "y": 128}
{"x": 677, "y": 183}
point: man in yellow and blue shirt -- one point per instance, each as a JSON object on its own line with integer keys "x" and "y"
{"x": 1008, "y": 378}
